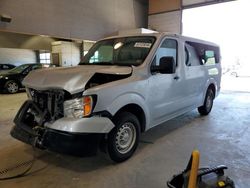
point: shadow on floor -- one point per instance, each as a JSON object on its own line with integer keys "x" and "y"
{"x": 47, "y": 159}
{"x": 86, "y": 164}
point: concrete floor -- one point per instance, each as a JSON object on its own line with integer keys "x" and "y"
{"x": 222, "y": 138}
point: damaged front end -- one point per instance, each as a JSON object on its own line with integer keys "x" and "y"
{"x": 58, "y": 116}
{"x": 47, "y": 107}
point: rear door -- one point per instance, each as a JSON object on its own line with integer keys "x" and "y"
{"x": 196, "y": 75}
{"x": 202, "y": 67}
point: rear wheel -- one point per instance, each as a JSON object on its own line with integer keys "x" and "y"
{"x": 206, "y": 108}
{"x": 124, "y": 138}
{"x": 11, "y": 86}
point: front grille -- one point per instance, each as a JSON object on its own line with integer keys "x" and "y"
{"x": 50, "y": 101}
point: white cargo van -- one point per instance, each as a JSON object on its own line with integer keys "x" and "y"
{"x": 124, "y": 86}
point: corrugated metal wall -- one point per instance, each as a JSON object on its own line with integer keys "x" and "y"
{"x": 165, "y": 15}
{"x": 169, "y": 21}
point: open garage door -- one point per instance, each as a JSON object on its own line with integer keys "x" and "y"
{"x": 166, "y": 15}
{"x": 226, "y": 25}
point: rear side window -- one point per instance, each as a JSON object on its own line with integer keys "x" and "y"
{"x": 192, "y": 59}
{"x": 167, "y": 48}
{"x": 5, "y": 67}
{"x": 201, "y": 54}
{"x": 209, "y": 58}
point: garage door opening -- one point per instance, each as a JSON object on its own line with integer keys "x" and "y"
{"x": 227, "y": 25}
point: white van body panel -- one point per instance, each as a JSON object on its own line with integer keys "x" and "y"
{"x": 160, "y": 96}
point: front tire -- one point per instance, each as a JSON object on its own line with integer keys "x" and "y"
{"x": 124, "y": 137}
{"x": 12, "y": 86}
{"x": 206, "y": 108}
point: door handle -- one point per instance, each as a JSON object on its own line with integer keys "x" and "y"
{"x": 176, "y": 77}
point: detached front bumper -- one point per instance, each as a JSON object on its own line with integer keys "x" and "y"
{"x": 61, "y": 142}
{"x": 66, "y": 135}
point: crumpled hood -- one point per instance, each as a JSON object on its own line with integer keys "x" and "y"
{"x": 71, "y": 79}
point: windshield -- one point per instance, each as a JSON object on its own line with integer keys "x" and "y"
{"x": 124, "y": 51}
{"x": 18, "y": 69}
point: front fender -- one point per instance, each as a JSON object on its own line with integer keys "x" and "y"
{"x": 129, "y": 98}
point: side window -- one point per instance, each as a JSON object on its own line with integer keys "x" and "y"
{"x": 167, "y": 48}
{"x": 201, "y": 54}
{"x": 5, "y": 67}
{"x": 27, "y": 70}
{"x": 192, "y": 59}
{"x": 209, "y": 57}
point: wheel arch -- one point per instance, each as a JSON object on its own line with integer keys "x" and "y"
{"x": 137, "y": 111}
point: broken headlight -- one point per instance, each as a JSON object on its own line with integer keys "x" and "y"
{"x": 79, "y": 107}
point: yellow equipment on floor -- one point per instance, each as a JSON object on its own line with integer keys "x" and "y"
{"x": 195, "y": 177}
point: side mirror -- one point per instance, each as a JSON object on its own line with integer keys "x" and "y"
{"x": 167, "y": 65}
{"x": 25, "y": 73}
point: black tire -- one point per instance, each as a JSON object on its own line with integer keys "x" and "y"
{"x": 11, "y": 86}
{"x": 127, "y": 126}
{"x": 206, "y": 108}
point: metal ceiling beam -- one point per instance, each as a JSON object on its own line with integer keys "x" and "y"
{"x": 205, "y": 3}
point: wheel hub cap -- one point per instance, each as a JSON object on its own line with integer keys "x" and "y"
{"x": 125, "y": 138}
{"x": 12, "y": 87}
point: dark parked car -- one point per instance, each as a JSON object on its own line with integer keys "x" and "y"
{"x": 6, "y": 67}
{"x": 11, "y": 81}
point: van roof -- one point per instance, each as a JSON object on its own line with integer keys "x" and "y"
{"x": 163, "y": 34}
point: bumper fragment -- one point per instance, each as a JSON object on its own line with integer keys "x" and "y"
{"x": 73, "y": 144}
{"x": 83, "y": 125}
{"x": 61, "y": 142}
{"x": 48, "y": 136}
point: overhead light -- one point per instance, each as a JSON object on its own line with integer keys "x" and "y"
{"x": 91, "y": 41}
{"x": 118, "y": 45}
{"x": 5, "y": 18}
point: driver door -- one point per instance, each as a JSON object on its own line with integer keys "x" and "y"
{"x": 166, "y": 96}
